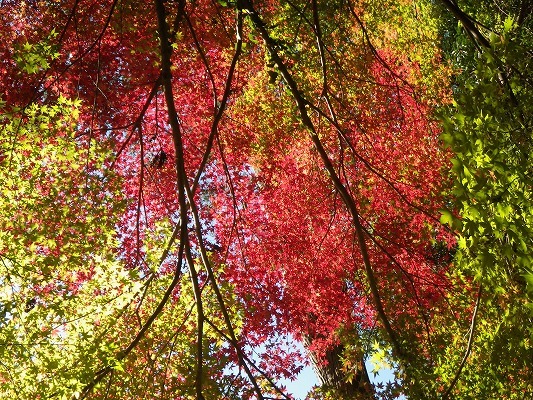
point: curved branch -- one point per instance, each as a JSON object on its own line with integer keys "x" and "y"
{"x": 181, "y": 177}
{"x": 247, "y": 359}
{"x": 220, "y": 109}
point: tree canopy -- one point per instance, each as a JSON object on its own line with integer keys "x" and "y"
{"x": 189, "y": 188}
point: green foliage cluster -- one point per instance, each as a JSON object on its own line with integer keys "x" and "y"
{"x": 60, "y": 284}
{"x": 68, "y": 307}
{"x": 36, "y": 57}
{"x": 414, "y": 43}
{"x": 488, "y": 128}
{"x": 489, "y": 131}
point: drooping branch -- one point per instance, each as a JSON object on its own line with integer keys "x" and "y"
{"x": 220, "y": 108}
{"x": 138, "y": 121}
{"x": 332, "y": 118}
{"x": 197, "y": 223}
{"x": 372, "y": 168}
{"x": 247, "y": 360}
{"x": 216, "y": 121}
{"x": 185, "y": 247}
{"x": 40, "y": 87}
{"x": 331, "y": 374}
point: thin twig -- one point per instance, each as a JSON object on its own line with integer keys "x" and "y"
{"x": 468, "y": 347}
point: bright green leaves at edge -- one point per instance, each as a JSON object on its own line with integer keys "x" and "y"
{"x": 68, "y": 307}
{"x": 488, "y": 128}
{"x": 60, "y": 286}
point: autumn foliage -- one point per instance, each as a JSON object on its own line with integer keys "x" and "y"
{"x": 199, "y": 183}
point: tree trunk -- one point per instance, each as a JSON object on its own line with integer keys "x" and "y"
{"x": 329, "y": 370}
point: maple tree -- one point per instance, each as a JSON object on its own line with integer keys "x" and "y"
{"x": 189, "y": 187}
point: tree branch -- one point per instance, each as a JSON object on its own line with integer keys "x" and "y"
{"x": 301, "y": 103}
